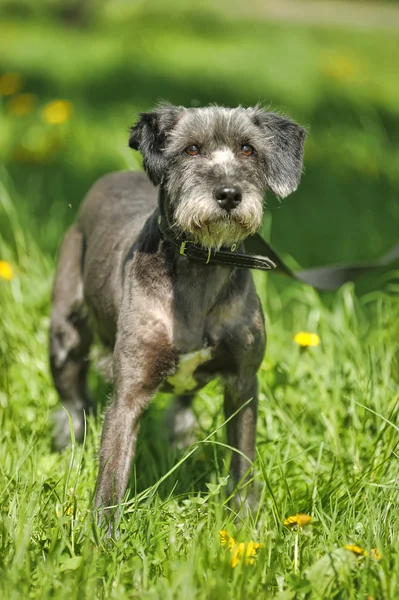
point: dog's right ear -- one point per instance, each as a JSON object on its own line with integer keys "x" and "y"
{"x": 149, "y": 135}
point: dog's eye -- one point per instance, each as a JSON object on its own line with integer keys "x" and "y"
{"x": 246, "y": 150}
{"x": 192, "y": 150}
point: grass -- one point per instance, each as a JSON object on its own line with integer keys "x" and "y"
{"x": 328, "y": 418}
{"x": 327, "y": 446}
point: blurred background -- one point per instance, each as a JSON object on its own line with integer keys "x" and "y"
{"x": 74, "y": 74}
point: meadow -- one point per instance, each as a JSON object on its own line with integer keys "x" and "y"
{"x": 328, "y": 427}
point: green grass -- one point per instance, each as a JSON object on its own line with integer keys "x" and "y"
{"x": 328, "y": 418}
{"x": 327, "y": 445}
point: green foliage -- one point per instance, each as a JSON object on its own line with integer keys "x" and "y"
{"x": 343, "y": 85}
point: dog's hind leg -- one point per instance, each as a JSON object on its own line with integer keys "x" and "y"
{"x": 70, "y": 340}
{"x": 241, "y": 400}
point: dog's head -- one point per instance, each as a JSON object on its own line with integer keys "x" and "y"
{"x": 216, "y": 165}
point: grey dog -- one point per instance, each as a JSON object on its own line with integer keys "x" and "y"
{"x": 172, "y": 323}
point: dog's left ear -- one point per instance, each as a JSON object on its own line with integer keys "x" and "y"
{"x": 284, "y": 142}
{"x": 149, "y": 135}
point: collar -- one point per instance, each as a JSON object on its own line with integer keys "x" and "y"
{"x": 227, "y": 257}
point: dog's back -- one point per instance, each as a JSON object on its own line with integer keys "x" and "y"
{"x": 116, "y": 201}
{"x": 110, "y": 219}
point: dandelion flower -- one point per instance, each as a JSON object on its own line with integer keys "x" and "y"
{"x": 240, "y": 552}
{"x": 57, "y": 112}
{"x": 10, "y": 83}
{"x": 305, "y": 339}
{"x": 245, "y": 553}
{"x": 356, "y": 549}
{"x": 226, "y": 540}
{"x": 299, "y": 520}
{"x": 22, "y": 104}
{"x": 375, "y": 554}
{"x": 6, "y": 270}
{"x": 66, "y": 511}
{"x": 341, "y": 68}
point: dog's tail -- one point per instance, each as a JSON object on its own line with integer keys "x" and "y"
{"x": 322, "y": 278}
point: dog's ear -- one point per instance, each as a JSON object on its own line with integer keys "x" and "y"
{"x": 149, "y": 135}
{"x": 284, "y": 142}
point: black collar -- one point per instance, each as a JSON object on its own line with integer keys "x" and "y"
{"x": 228, "y": 257}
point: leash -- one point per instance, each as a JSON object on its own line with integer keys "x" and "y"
{"x": 263, "y": 257}
{"x": 323, "y": 278}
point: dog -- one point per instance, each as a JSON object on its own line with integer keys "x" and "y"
{"x": 149, "y": 266}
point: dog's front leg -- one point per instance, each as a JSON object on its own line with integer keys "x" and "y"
{"x": 118, "y": 442}
{"x": 141, "y": 362}
{"x": 241, "y": 397}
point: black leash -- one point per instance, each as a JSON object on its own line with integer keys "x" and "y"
{"x": 263, "y": 257}
{"x": 323, "y": 278}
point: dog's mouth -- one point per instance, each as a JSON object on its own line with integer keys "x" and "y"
{"x": 206, "y": 224}
{"x": 222, "y": 231}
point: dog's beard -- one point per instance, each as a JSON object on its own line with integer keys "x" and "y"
{"x": 212, "y": 227}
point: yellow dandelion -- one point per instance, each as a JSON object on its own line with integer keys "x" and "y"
{"x": 240, "y": 552}
{"x": 375, "y": 554}
{"x": 57, "y": 112}
{"x": 299, "y": 520}
{"x": 244, "y": 553}
{"x": 6, "y": 270}
{"x": 305, "y": 339}
{"x": 356, "y": 549}
{"x": 66, "y": 511}
{"x": 22, "y": 104}
{"x": 226, "y": 540}
{"x": 341, "y": 68}
{"x": 10, "y": 83}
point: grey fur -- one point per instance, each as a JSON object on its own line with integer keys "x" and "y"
{"x": 152, "y": 306}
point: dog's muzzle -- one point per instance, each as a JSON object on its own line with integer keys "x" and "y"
{"x": 228, "y": 197}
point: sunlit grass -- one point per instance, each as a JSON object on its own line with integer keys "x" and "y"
{"x": 327, "y": 448}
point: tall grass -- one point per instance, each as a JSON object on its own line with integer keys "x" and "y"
{"x": 327, "y": 446}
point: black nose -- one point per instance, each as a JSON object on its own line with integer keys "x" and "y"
{"x": 228, "y": 197}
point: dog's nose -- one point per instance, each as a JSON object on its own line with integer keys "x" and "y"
{"x": 228, "y": 197}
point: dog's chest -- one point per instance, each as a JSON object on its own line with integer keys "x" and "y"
{"x": 183, "y": 380}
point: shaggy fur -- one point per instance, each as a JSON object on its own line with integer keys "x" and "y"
{"x": 190, "y": 182}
